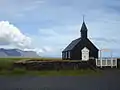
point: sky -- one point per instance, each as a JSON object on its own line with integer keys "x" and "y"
{"x": 48, "y": 26}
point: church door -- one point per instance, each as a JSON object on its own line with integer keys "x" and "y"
{"x": 85, "y": 54}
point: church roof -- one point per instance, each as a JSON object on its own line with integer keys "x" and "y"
{"x": 83, "y": 28}
{"x": 76, "y": 41}
{"x": 72, "y": 44}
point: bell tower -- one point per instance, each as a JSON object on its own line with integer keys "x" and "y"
{"x": 83, "y": 30}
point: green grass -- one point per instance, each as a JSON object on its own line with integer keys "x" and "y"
{"x": 21, "y": 72}
{"x": 16, "y": 71}
{"x": 6, "y": 65}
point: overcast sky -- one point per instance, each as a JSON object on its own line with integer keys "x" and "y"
{"x": 48, "y": 26}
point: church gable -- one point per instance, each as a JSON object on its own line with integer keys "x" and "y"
{"x": 92, "y": 45}
{"x": 81, "y": 48}
{"x": 85, "y": 43}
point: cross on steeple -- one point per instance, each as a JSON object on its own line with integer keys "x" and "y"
{"x": 83, "y": 29}
{"x": 83, "y": 17}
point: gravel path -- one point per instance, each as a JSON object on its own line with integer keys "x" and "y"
{"x": 109, "y": 81}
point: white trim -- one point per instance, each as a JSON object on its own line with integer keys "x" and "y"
{"x": 106, "y": 62}
{"x": 85, "y": 54}
{"x": 69, "y": 54}
{"x": 66, "y": 54}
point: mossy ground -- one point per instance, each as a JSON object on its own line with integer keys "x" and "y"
{"x": 7, "y": 70}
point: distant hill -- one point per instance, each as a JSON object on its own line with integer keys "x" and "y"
{"x": 17, "y": 53}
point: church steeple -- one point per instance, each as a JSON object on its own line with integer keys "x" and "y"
{"x": 83, "y": 30}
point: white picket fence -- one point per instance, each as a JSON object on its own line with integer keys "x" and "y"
{"x": 112, "y": 62}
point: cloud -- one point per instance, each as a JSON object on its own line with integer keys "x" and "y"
{"x": 37, "y": 50}
{"x": 110, "y": 40}
{"x": 43, "y": 49}
{"x": 39, "y": 1}
{"x": 47, "y": 32}
{"x": 53, "y": 40}
{"x": 12, "y": 9}
{"x": 47, "y": 49}
{"x": 10, "y": 34}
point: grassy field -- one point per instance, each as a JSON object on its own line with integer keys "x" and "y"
{"x": 6, "y": 65}
{"x": 21, "y": 72}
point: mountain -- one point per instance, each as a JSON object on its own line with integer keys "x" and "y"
{"x": 17, "y": 53}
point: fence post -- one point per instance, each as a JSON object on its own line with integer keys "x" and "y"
{"x": 101, "y": 63}
{"x": 106, "y": 62}
{"x": 116, "y": 62}
{"x": 96, "y": 62}
{"x": 101, "y": 58}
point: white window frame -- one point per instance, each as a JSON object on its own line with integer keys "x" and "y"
{"x": 69, "y": 54}
{"x": 66, "y": 54}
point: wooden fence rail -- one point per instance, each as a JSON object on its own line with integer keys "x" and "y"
{"x": 106, "y": 62}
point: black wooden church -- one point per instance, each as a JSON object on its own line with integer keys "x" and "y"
{"x": 81, "y": 48}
